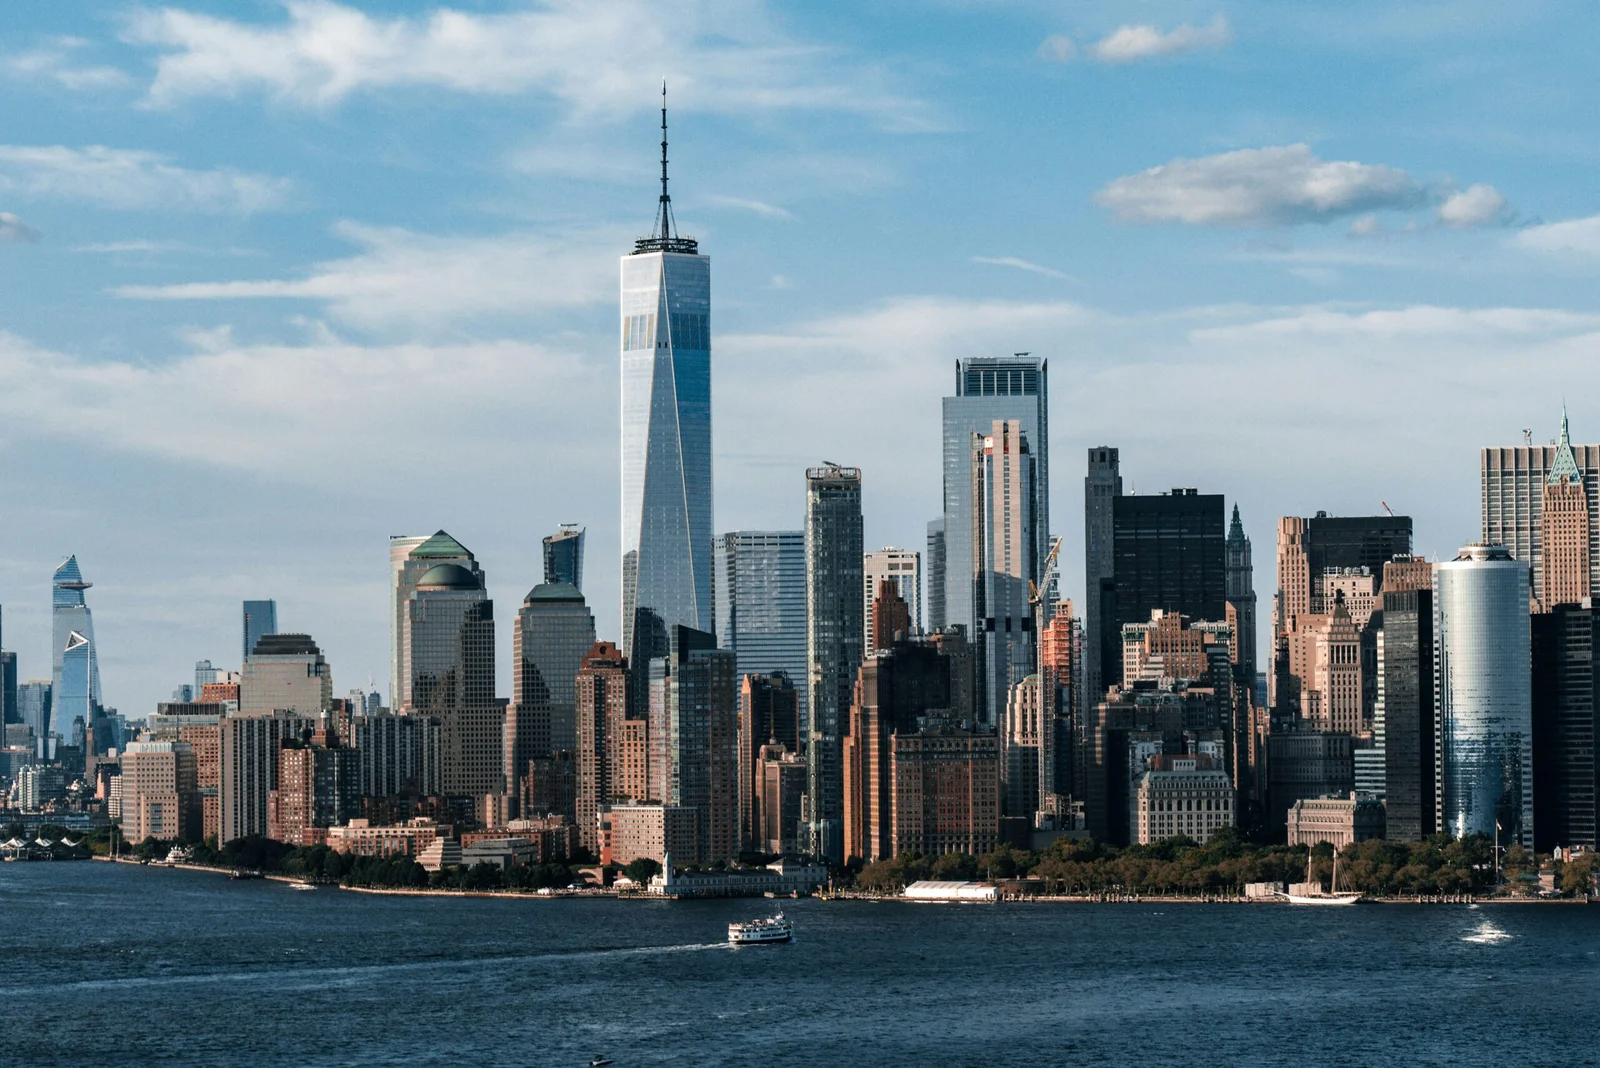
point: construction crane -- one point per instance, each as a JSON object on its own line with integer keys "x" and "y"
{"x": 1387, "y": 510}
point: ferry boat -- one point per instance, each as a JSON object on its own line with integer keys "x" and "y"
{"x": 759, "y": 932}
{"x": 1313, "y": 894}
{"x": 302, "y": 885}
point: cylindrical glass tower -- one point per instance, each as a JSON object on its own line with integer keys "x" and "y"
{"x": 1484, "y": 696}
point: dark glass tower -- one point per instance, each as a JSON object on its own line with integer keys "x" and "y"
{"x": 1566, "y": 725}
{"x": 834, "y": 632}
{"x": 563, "y": 556}
{"x": 1409, "y": 745}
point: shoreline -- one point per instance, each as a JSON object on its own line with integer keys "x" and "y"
{"x": 1039, "y": 899}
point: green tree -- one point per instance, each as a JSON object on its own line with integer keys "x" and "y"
{"x": 642, "y": 869}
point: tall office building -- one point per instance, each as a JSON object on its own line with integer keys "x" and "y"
{"x": 551, "y": 637}
{"x": 1410, "y": 773}
{"x": 563, "y": 556}
{"x": 1483, "y": 699}
{"x": 260, "y": 618}
{"x": 834, "y": 629}
{"x": 610, "y": 757}
{"x": 411, "y": 557}
{"x": 1241, "y": 594}
{"x": 1168, "y": 552}
{"x": 449, "y": 655}
{"x": 248, "y": 758}
{"x": 8, "y": 684}
{"x": 760, "y": 595}
{"x": 770, "y": 722}
{"x": 1566, "y": 726}
{"x": 1101, "y": 487}
{"x": 666, "y": 433}
{"x": 903, "y": 567}
{"x": 693, "y": 738}
{"x": 1514, "y": 480}
{"x": 990, "y": 389}
{"x": 1005, "y": 564}
{"x": 935, "y": 619}
{"x": 400, "y": 755}
{"x": 75, "y": 659}
{"x": 33, "y": 706}
{"x": 1564, "y": 530}
{"x": 286, "y": 673}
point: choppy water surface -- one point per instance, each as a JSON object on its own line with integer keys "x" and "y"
{"x": 103, "y": 965}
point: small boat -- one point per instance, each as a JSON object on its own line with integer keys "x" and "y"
{"x": 302, "y": 886}
{"x": 599, "y": 1061}
{"x": 1313, "y": 894}
{"x": 240, "y": 875}
{"x": 775, "y": 928}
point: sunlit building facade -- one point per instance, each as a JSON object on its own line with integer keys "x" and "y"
{"x": 75, "y": 661}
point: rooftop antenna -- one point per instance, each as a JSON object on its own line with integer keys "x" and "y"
{"x": 664, "y": 223}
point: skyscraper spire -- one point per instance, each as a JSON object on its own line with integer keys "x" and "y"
{"x": 1565, "y": 467}
{"x": 664, "y": 236}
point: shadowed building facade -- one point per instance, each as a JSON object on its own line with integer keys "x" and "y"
{"x": 1515, "y": 480}
{"x": 552, "y": 634}
{"x": 834, "y": 631}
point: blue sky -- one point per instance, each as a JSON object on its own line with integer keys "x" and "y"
{"x": 278, "y": 280}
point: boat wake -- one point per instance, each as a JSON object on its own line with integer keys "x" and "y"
{"x": 1487, "y": 934}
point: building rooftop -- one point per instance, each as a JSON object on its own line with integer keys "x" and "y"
{"x": 552, "y": 591}
{"x": 285, "y": 645}
{"x": 449, "y": 576}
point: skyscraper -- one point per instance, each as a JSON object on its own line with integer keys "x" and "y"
{"x": 693, "y": 737}
{"x": 1566, "y": 725}
{"x": 1564, "y": 530}
{"x": 1241, "y": 595}
{"x": 769, "y": 717}
{"x": 834, "y": 630}
{"x": 75, "y": 681}
{"x": 8, "y": 684}
{"x": 260, "y": 619}
{"x": 987, "y": 389}
{"x": 610, "y": 757}
{"x": 1004, "y": 476}
{"x": 760, "y": 595}
{"x": 1410, "y": 775}
{"x": 1514, "y": 482}
{"x": 1101, "y": 487}
{"x": 563, "y": 556}
{"x": 666, "y": 432}
{"x": 936, "y": 576}
{"x": 449, "y": 655}
{"x": 411, "y": 557}
{"x": 552, "y": 635}
{"x": 1483, "y": 701}
{"x": 903, "y": 567}
{"x": 1167, "y": 552}
{"x": 286, "y": 673}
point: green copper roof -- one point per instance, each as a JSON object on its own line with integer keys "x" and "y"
{"x": 1566, "y": 467}
{"x": 441, "y": 545}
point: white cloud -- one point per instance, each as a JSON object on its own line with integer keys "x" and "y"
{"x": 1476, "y": 205}
{"x": 1022, "y": 265}
{"x": 56, "y": 62}
{"x": 717, "y": 55}
{"x": 1569, "y": 235}
{"x": 755, "y": 207}
{"x": 1259, "y": 187}
{"x": 1058, "y": 47}
{"x": 1129, "y": 44}
{"x": 406, "y": 280}
{"x": 132, "y": 179}
{"x": 14, "y": 229}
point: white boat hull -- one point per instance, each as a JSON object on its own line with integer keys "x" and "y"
{"x": 761, "y": 932}
{"x": 1323, "y": 899}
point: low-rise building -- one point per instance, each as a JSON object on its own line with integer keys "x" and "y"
{"x": 782, "y": 878}
{"x": 503, "y": 853}
{"x": 1182, "y": 795}
{"x": 361, "y": 838}
{"x": 1340, "y": 821}
{"x": 628, "y": 832}
{"x": 441, "y": 853}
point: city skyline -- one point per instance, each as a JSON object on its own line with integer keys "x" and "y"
{"x": 1294, "y": 297}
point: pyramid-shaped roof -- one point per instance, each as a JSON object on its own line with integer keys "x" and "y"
{"x": 440, "y": 546}
{"x": 1565, "y": 468}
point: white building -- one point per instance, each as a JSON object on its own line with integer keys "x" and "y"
{"x": 1182, "y": 795}
{"x": 903, "y": 567}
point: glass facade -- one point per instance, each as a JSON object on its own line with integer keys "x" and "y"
{"x": 75, "y": 678}
{"x": 1004, "y": 476}
{"x": 834, "y": 630}
{"x": 260, "y": 619}
{"x": 1484, "y": 702}
{"x": 760, "y": 596}
{"x": 666, "y": 442}
{"x": 563, "y": 556}
{"x": 936, "y": 571}
{"x": 449, "y": 642}
{"x": 988, "y": 389}
{"x": 554, "y": 632}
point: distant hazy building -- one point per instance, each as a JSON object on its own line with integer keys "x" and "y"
{"x": 260, "y": 618}
{"x": 666, "y": 434}
{"x": 1192, "y": 796}
{"x": 552, "y": 634}
{"x": 563, "y": 556}
{"x": 760, "y": 594}
{"x": 834, "y": 630}
{"x": 1515, "y": 480}
{"x": 160, "y": 798}
{"x": 10, "y": 711}
{"x": 1101, "y": 488}
{"x": 449, "y": 656}
{"x": 1241, "y": 594}
{"x": 410, "y": 557}
{"x": 937, "y": 563}
{"x": 903, "y": 567}
{"x": 1566, "y": 727}
{"x": 75, "y": 660}
{"x": 1483, "y": 701}
{"x": 1014, "y": 388}
{"x": 286, "y": 673}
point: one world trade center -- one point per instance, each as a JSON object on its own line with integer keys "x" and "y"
{"x": 666, "y": 434}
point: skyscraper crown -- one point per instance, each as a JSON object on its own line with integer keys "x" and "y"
{"x": 664, "y": 237}
{"x": 1565, "y": 468}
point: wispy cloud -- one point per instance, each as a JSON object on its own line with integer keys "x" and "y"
{"x": 14, "y": 229}
{"x": 1023, "y": 265}
{"x": 57, "y": 61}
{"x": 1570, "y": 235}
{"x": 1478, "y": 205}
{"x": 755, "y": 207}
{"x": 133, "y": 179}
{"x": 727, "y": 56}
{"x": 1130, "y": 44}
{"x": 422, "y": 282}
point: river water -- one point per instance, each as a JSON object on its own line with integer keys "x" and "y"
{"x": 109, "y": 965}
